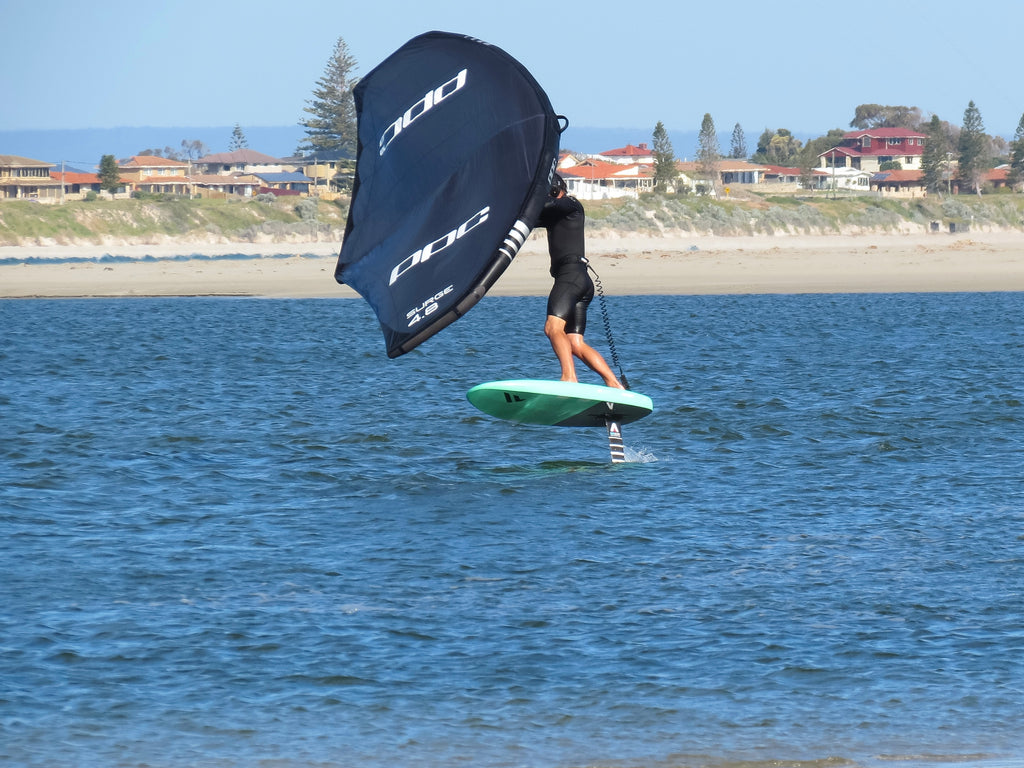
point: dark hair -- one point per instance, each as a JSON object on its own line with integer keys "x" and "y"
{"x": 557, "y": 185}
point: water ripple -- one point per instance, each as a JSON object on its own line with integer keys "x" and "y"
{"x": 236, "y": 534}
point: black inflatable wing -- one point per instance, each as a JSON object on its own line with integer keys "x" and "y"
{"x": 457, "y": 146}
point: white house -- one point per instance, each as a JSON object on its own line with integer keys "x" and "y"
{"x": 843, "y": 178}
{"x": 628, "y": 155}
{"x": 597, "y": 180}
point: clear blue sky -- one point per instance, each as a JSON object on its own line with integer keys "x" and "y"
{"x": 801, "y": 64}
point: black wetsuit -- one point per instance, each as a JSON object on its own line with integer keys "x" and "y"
{"x": 564, "y": 219}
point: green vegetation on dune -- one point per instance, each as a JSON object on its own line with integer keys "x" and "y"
{"x": 142, "y": 220}
{"x": 27, "y": 223}
{"x": 772, "y": 214}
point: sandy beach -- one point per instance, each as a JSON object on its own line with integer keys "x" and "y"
{"x": 864, "y": 263}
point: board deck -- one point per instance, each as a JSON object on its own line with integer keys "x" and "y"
{"x": 559, "y": 403}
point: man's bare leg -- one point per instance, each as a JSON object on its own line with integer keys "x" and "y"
{"x": 554, "y": 329}
{"x": 593, "y": 359}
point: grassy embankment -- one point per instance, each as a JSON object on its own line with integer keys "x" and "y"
{"x": 151, "y": 220}
{"x": 819, "y": 215}
{"x": 292, "y": 219}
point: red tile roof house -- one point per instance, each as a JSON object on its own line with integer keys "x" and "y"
{"x": 780, "y": 174}
{"x": 76, "y": 184}
{"x": 597, "y": 180}
{"x": 148, "y": 173}
{"x": 998, "y": 177}
{"x": 628, "y": 155}
{"x": 911, "y": 183}
{"x": 993, "y": 177}
{"x": 866, "y": 150}
{"x": 899, "y": 183}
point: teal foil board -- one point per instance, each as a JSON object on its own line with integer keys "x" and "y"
{"x": 559, "y": 403}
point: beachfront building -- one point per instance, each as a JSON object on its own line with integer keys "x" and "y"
{"x": 640, "y": 154}
{"x": 868, "y": 149}
{"x": 155, "y": 175}
{"x": 217, "y": 186}
{"x": 568, "y": 159}
{"x": 598, "y": 180}
{"x": 22, "y": 178}
{"x": 781, "y": 174}
{"x": 735, "y": 171}
{"x": 730, "y": 173}
{"x": 849, "y": 179}
{"x": 75, "y": 184}
{"x": 898, "y": 183}
{"x": 331, "y": 171}
{"x": 241, "y": 161}
{"x": 283, "y": 184}
{"x": 997, "y": 177}
{"x": 911, "y": 183}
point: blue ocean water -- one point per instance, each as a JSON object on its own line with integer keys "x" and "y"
{"x": 233, "y": 533}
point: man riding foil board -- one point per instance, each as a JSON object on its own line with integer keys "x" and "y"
{"x": 565, "y": 220}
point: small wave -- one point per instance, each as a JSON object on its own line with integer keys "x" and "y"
{"x": 639, "y": 455}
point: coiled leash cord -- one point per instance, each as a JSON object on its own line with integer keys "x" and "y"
{"x": 608, "y": 326}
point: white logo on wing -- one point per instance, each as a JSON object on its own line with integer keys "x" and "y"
{"x": 436, "y": 246}
{"x": 430, "y": 100}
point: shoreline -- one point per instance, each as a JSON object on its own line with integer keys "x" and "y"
{"x": 628, "y": 265}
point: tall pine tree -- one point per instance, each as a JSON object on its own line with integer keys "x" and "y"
{"x": 934, "y": 162}
{"x": 238, "y": 140}
{"x": 109, "y": 174}
{"x": 665, "y": 170}
{"x": 972, "y": 161}
{"x": 331, "y": 126}
{"x": 708, "y": 153}
{"x": 1015, "y": 177}
{"x": 738, "y": 147}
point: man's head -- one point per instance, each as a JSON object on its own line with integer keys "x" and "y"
{"x": 558, "y": 187}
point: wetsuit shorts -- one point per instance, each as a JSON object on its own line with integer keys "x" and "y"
{"x": 570, "y": 296}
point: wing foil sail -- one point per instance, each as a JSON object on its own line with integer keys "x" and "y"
{"x": 457, "y": 146}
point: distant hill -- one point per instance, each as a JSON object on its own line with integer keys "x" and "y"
{"x": 83, "y": 147}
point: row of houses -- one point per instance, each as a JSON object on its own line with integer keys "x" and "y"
{"x": 243, "y": 173}
{"x": 855, "y": 165}
{"x": 603, "y": 176}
